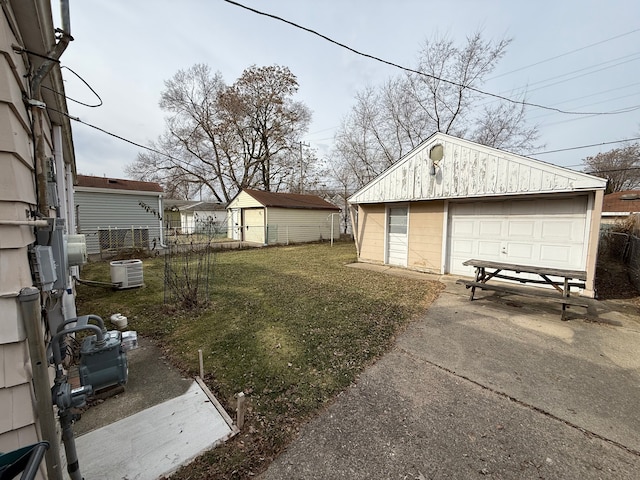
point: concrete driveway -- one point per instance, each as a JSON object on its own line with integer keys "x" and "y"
{"x": 495, "y": 388}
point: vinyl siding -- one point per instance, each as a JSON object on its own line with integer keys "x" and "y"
{"x": 244, "y": 200}
{"x": 96, "y": 210}
{"x": 425, "y": 236}
{"x": 294, "y": 225}
{"x": 17, "y": 196}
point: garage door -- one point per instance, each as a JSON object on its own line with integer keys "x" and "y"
{"x": 253, "y": 225}
{"x": 543, "y": 232}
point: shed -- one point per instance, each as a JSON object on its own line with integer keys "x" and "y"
{"x": 450, "y": 200}
{"x": 188, "y": 216}
{"x": 116, "y": 213}
{"x": 272, "y": 218}
{"x": 618, "y": 206}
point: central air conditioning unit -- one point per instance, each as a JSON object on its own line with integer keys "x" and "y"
{"x": 127, "y": 274}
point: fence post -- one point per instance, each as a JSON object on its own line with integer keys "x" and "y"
{"x": 240, "y": 409}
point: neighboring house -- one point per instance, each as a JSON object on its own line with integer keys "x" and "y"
{"x": 116, "y": 213}
{"x": 37, "y": 167}
{"x": 271, "y": 218}
{"x": 618, "y": 206}
{"x": 450, "y": 200}
{"x": 186, "y": 216}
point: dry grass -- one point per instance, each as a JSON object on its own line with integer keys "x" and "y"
{"x": 291, "y": 327}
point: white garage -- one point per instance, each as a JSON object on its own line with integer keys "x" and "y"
{"x": 271, "y": 218}
{"x": 451, "y": 200}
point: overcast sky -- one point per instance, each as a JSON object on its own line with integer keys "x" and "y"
{"x": 126, "y": 50}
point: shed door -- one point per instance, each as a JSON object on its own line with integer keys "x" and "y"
{"x": 397, "y": 236}
{"x": 541, "y": 232}
{"x": 253, "y": 225}
{"x": 235, "y": 224}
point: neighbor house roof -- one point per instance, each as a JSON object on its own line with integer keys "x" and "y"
{"x": 117, "y": 184}
{"x": 290, "y": 200}
{"x": 623, "y": 202}
{"x": 192, "y": 206}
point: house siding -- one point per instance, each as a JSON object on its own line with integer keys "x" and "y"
{"x": 17, "y": 196}
{"x": 104, "y": 210}
{"x": 371, "y": 232}
{"x": 425, "y": 236}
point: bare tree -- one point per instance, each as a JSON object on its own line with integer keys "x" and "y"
{"x": 620, "y": 166}
{"x": 387, "y": 122}
{"x": 224, "y": 138}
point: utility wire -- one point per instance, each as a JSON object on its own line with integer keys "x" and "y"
{"x": 145, "y": 147}
{"x": 564, "y": 54}
{"x": 73, "y": 100}
{"x": 411, "y": 70}
{"x": 583, "y": 146}
{"x": 76, "y": 119}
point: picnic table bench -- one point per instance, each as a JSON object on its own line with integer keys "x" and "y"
{"x": 487, "y": 270}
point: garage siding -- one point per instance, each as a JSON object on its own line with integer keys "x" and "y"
{"x": 425, "y": 236}
{"x": 295, "y": 225}
{"x": 371, "y": 232}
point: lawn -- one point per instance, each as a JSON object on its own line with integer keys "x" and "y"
{"x": 289, "y": 326}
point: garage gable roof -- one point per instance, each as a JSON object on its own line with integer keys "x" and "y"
{"x": 290, "y": 200}
{"x": 468, "y": 169}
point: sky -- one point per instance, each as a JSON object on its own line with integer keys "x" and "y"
{"x": 578, "y": 55}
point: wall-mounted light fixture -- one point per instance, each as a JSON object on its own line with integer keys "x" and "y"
{"x": 436, "y": 153}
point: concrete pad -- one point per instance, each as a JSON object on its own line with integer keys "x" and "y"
{"x": 155, "y": 441}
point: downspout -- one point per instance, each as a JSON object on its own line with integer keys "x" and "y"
{"x": 30, "y": 309}
{"x": 160, "y": 217}
{"x": 38, "y": 106}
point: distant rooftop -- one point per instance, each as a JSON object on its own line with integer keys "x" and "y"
{"x": 117, "y": 184}
{"x": 627, "y": 201}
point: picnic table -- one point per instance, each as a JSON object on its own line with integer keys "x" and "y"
{"x": 487, "y": 270}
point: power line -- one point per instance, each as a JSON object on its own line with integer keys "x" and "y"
{"x": 582, "y": 146}
{"x": 564, "y": 54}
{"x": 411, "y": 70}
{"x": 73, "y": 100}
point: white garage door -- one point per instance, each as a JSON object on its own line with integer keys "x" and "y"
{"x": 542, "y": 232}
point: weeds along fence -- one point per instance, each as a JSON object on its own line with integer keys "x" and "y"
{"x": 621, "y": 241}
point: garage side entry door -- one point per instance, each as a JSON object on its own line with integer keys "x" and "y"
{"x": 541, "y": 232}
{"x": 253, "y": 225}
{"x": 397, "y": 236}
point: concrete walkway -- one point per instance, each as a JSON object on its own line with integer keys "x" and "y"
{"x": 155, "y": 441}
{"x": 495, "y": 388}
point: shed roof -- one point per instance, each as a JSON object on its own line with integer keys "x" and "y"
{"x": 192, "y": 206}
{"x": 468, "y": 170}
{"x": 627, "y": 201}
{"x": 117, "y": 184}
{"x": 290, "y": 200}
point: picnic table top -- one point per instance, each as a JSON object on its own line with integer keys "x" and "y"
{"x": 557, "y": 272}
